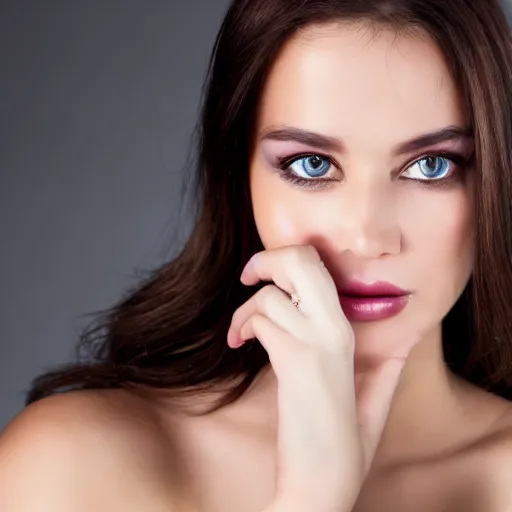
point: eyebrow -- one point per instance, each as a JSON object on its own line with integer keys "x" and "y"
{"x": 332, "y": 144}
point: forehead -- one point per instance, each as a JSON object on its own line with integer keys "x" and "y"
{"x": 352, "y": 81}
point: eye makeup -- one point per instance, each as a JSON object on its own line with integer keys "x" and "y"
{"x": 284, "y": 149}
{"x": 459, "y": 165}
{"x": 283, "y": 166}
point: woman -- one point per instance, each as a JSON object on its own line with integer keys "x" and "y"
{"x": 335, "y": 334}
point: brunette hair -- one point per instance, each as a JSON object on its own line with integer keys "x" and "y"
{"x": 170, "y": 331}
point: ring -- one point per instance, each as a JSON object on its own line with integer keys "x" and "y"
{"x": 295, "y": 301}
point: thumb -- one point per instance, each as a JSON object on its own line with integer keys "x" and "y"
{"x": 376, "y": 389}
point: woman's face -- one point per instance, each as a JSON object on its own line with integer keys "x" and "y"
{"x": 361, "y": 149}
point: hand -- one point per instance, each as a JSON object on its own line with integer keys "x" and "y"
{"x": 326, "y": 440}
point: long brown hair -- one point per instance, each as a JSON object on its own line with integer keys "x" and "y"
{"x": 170, "y": 332}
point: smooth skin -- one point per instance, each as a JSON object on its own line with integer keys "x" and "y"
{"x": 328, "y": 429}
{"x": 350, "y": 416}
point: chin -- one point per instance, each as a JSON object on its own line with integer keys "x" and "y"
{"x": 392, "y": 337}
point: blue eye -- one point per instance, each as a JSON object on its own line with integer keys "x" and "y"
{"x": 430, "y": 168}
{"x": 313, "y": 166}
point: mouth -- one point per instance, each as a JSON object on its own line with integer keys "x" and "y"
{"x": 372, "y": 302}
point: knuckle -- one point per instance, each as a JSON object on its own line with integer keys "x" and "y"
{"x": 293, "y": 256}
{"x": 342, "y": 342}
{"x": 265, "y": 297}
{"x": 311, "y": 252}
{"x": 337, "y": 338}
{"x": 310, "y": 255}
{"x": 334, "y": 329}
{"x": 304, "y": 253}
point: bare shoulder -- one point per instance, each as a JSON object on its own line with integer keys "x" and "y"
{"x": 77, "y": 449}
{"x": 496, "y": 462}
{"x": 503, "y": 442}
{"x": 80, "y": 419}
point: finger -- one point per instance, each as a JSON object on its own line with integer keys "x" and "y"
{"x": 374, "y": 398}
{"x": 282, "y": 348}
{"x": 281, "y": 265}
{"x": 295, "y": 269}
{"x": 272, "y": 303}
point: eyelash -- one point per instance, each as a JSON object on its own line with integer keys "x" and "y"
{"x": 284, "y": 163}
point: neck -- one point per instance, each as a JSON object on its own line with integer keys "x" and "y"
{"x": 429, "y": 415}
{"x": 433, "y": 413}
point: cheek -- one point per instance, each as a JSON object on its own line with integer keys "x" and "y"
{"x": 280, "y": 214}
{"x": 437, "y": 226}
{"x": 441, "y": 225}
{"x": 440, "y": 236}
{"x": 277, "y": 220}
{"x": 276, "y": 225}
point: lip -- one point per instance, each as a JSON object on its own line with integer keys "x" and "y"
{"x": 380, "y": 300}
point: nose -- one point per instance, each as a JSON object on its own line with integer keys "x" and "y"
{"x": 367, "y": 221}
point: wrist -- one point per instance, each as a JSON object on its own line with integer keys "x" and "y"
{"x": 300, "y": 507}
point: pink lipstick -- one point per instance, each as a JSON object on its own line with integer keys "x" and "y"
{"x": 371, "y": 302}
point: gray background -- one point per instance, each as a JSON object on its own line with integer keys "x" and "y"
{"x": 98, "y": 100}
